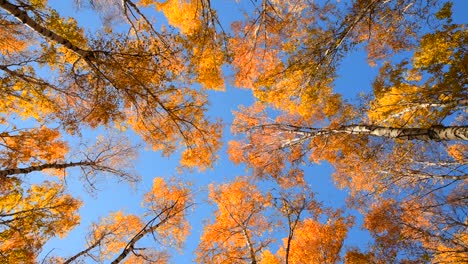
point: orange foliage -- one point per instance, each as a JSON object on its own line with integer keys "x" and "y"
{"x": 265, "y": 150}
{"x": 33, "y": 146}
{"x": 459, "y": 152}
{"x": 30, "y": 218}
{"x": 314, "y": 242}
{"x": 169, "y": 201}
{"x": 238, "y": 226}
{"x": 10, "y": 38}
{"x": 183, "y": 14}
{"x": 113, "y": 233}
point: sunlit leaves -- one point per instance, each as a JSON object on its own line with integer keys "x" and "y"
{"x": 25, "y": 95}
{"x": 458, "y": 152}
{"x": 183, "y": 14}
{"x": 455, "y": 253}
{"x": 430, "y": 90}
{"x": 208, "y": 66}
{"x": 113, "y": 232}
{"x": 439, "y": 47}
{"x": 152, "y": 78}
{"x": 117, "y": 237}
{"x": 30, "y": 218}
{"x": 239, "y": 225}
{"x": 245, "y": 228}
{"x": 34, "y": 146}
{"x": 170, "y": 202}
{"x": 10, "y": 38}
{"x": 315, "y": 242}
{"x": 138, "y": 80}
{"x": 275, "y": 55}
{"x": 268, "y": 258}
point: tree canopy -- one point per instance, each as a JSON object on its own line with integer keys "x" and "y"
{"x": 81, "y": 98}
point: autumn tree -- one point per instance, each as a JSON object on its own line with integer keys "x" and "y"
{"x": 400, "y": 152}
{"x": 316, "y": 242}
{"x": 287, "y": 52}
{"x": 248, "y": 222}
{"x": 141, "y": 79}
{"x": 135, "y": 79}
{"x": 310, "y": 239}
{"x": 31, "y": 214}
{"x": 29, "y": 218}
{"x": 115, "y": 238}
{"x": 237, "y": 233}
{"x": 400, "y": 143}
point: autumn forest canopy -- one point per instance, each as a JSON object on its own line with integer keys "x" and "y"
{"x": 87, "y": 86}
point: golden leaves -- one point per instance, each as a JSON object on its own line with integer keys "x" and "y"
{"x": 10, "y": 38}
{"x": 208, "y": 67}
{"x": 32, "y": 146}
{"x": 114, "y": 232}
{"x": 458, "y": 152}
{"x": 32, "y": 217}
{"x": 25, "y": 96}
{"x": 179, "y": 123}
{"x": 315, "y": 242}
{"x": 170, "y": 201}
{"x": 287, "y": 53}
{"x": 399, "y": 103}
{"x": 434, "y": 49}
{"x": 268, "y": 258}
{"x": 239, "y": 224}
{"x": 183, "y": 14}
{"x": 455, "y": 253}
{"x": 118, "y": 235}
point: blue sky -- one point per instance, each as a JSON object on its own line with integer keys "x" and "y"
{"x": 355, "y": 76}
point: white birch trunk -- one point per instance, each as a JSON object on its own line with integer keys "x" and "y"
{"x": 427, "y": 134}
{"x": 26, "y": 170}
{"x": 45, "y": 32}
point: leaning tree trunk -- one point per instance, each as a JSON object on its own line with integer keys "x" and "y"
{"x": 435, "y": 133}
{"x": 23, "y": 16}
{"x": 148, "y": 228}
{"x": 14, "y": 171}
{"x": 438, "y": 133}
{"x": 84, "y": 252}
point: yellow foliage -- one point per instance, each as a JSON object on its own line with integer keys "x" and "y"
{"x": 35, "y": 146}
{"x": 453, "y": 254}
{"x": 400, "y": 105}
{"x": 182, "y": 14}
{"x": 315, "y": 242}
{"x": 27, "y": 100}
{"x": 437, "y": 48}
{"x": 38, "y": 3}
{"x": 10, "y": 41}
{"x": 67, "y": 29}
{"x": 115, "y": 231}
{"x": 171, "y": 201}
{"x": 239, "y": 221}
{"x": 34, "y": 216}
{"x": 459, "y": 152}
{"x": 268, "y": 258}
{"x": 208, "y": 67}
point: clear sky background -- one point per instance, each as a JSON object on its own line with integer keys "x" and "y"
{"x": 355, "y": 76}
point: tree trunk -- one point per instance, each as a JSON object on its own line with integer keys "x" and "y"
{"x": 13, "y": 171}
{"x": 83, "y": 252}
{"x": 253, "y": 258}
{"x": 435, "y": 133}
{"x": 427, "y": 134}
{"x": 23, "y": 16}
